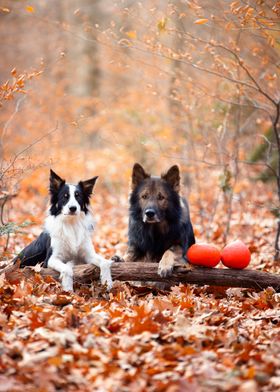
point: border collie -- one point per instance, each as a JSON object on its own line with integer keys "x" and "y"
{"x": 160, "y": 229}
{"x": 66, "y": 238}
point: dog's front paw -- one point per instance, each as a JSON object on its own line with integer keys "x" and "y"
{"x": 117, "y": 259}
{"x": 166, "y": 264}
{"x": 68, "y": 286}
{"x": 67, "y": 278}
{"x": 109, "y": 284}
{"x": 107, "y": 281}
{"x": 165, "y": 271}
{"x": 105, "y": 275}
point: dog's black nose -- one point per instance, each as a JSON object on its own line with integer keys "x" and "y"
{"x": 73, "y": 209}
{"x": 150, "y": 213}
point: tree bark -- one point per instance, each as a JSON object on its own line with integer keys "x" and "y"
{"x": 147, "y": 272}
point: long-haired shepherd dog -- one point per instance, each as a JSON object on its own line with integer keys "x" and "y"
{"x": 160, "y": 229}
{"x": 66, "y": 237}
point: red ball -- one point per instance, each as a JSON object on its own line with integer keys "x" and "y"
{"x": 203, "y": 254}
{"x": 236, "y": 255}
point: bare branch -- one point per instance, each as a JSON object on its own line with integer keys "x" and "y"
{"x": 237, "y": 58}
{"x": 7, "y": 124}
{"x": 17, "y": 155}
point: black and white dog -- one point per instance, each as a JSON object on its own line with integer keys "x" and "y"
{"x": 66, "y": 238}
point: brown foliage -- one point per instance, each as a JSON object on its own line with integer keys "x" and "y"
{"x": 208, "y": 340}
{"x": 91, "y": 90}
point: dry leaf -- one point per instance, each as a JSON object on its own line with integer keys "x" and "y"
{"x": 201, "y": 21}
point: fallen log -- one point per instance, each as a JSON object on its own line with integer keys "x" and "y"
{"x": 147, "y": 272}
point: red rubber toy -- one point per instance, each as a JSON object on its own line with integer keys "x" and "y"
{"x": 203, "y": 254}
{"x": 236, "y": 255}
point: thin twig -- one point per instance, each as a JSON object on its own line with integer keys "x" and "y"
{"x": 17, "y": 155}
{"x": 8, "y": 122}
{"x": 237, "y": 58}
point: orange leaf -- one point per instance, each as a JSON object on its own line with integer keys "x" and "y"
{"x": 251, "y": 372}
{"x": 131, "y": 34}
{"x": 29, "y": 8}
{"x": 56, "y": 361}
{"x": 201, "y": 21}
{"x": 62, "y": 300}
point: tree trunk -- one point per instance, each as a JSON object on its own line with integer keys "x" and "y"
{"x": 147, "y": 272}
{"x": 83, "y": 48}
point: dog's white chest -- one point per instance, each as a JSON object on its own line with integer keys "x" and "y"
{"x": 72, "y": 238}
{"x": 69, "y": 236}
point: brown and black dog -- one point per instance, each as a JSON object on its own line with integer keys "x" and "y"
{"x": 160, "y": 229}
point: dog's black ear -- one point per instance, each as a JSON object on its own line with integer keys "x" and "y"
{"x": 55, "y": 182}
{"x": 88, "y": 185}
{"x": 172, "y": 176}
{"x": 138, "y": 175}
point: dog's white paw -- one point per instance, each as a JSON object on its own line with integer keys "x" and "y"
{"x": 109, "y": 283}
{"x": 105, "y": 275}
{"x": 67, "y": 278}
{"x": 165, "y": 271}
{"x": 111, "y": 261}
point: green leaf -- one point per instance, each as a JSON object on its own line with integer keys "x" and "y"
{"x": 12, "y": 227}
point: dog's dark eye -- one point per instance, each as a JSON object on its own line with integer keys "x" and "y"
{"x": 160, "y": 196}
{"x": 66, "y": 196}
{"x": 145, "y": 196}
{"x": 77, "y": 194}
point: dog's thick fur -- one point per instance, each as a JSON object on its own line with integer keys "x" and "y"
{"x": 66, "y": 238}
{"x": 160, "y": 229}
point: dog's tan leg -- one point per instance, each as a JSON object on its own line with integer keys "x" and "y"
{"x": 166, "y": 264}
{"x": 168, "y": 260}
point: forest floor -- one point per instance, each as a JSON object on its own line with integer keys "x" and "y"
{"x": 140, "y": 338}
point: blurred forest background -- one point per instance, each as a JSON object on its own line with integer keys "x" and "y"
{"x": 90, "y": 87}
